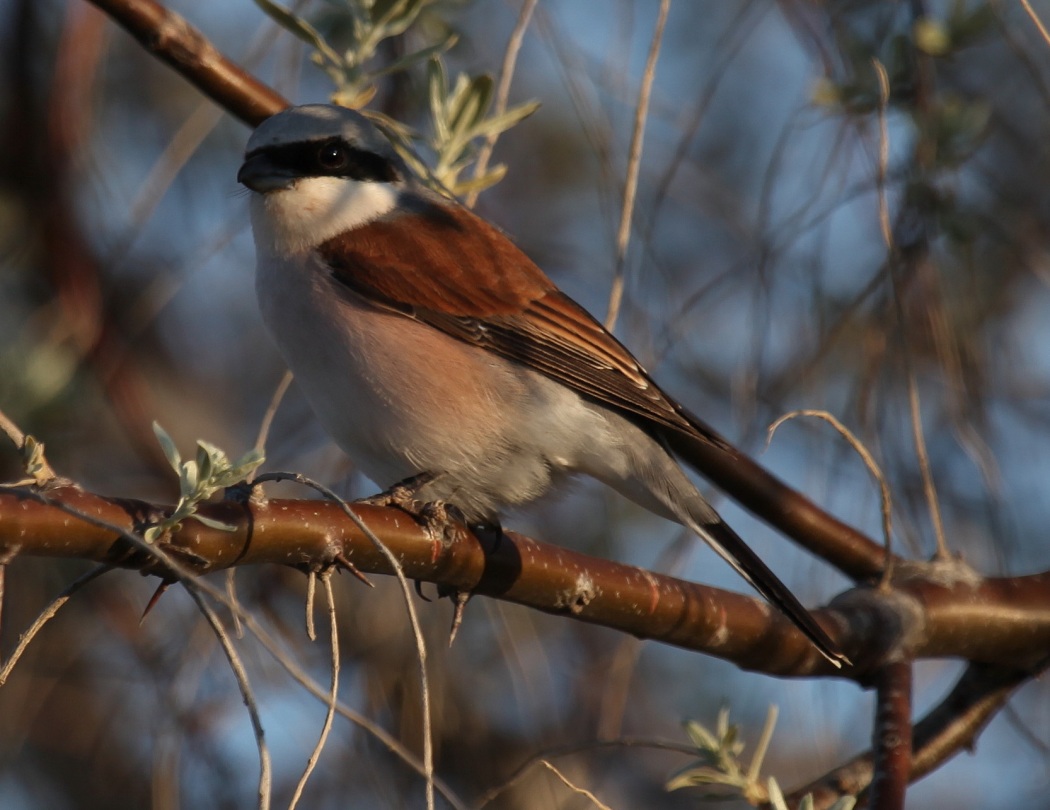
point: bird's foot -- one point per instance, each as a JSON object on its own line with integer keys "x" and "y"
{"x": 402, "y": 495}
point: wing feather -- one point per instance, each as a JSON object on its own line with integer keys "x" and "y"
{"x": 449, "y": 269}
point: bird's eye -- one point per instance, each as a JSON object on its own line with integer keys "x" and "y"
{"x": 333, "y": 156}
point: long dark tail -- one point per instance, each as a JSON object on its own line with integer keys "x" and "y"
{"x": 729, "y": 545}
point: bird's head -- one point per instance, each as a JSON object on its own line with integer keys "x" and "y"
{"x": 317, "y": 171}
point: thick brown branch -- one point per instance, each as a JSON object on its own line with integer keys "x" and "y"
{"x": 173, "y": 40}
{"x": 1005, "y": 619}
{"x": 515, "y": 568}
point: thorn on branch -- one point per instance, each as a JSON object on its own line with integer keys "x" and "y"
{"x": 161, "y": 588}
{"x": 460, "y": 598}
{"x": 344, "y": 564}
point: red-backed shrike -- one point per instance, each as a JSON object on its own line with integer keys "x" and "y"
{"x": 429, "y": 345}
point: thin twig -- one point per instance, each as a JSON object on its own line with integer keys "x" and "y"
{"x": 413, "y": 618}
{"x": 510, "y": 58}
{"x": 574, "y": 789}
{"x": 311, "y": 590}
{"x": 44, "y": 472}
{"x": 271, "y": 411}
{"x": 885, "y": 497}
{"x": 928, "y": 485}
{"x": 763, "y": 744}
{"x": 884, "y": 156}
{"x": 46, "y": 615}
{"x": 239, "y": 672}
{"x": 634, "y": 161}
{"x": 13, "y": 432}
{"x": 566, "y": 750}
{"x": 1035, "y": 19}
{"x": 333, "y": 700}
{"x": 291, "y": 665}
{"x": 5, "y": 557}
{"x": 289, "y": 662}
{"x": 231, "y": 599}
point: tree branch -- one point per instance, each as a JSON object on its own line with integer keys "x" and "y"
{"x": 995, "y": 620}
{"x": 950, "y": 727}
{"x": 512, "y": 567}
{"x": 177, "y": 43}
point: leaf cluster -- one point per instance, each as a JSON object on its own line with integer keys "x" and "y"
{"x": 199, "y": 478}
{"x": 459, "y": 111}
{"x": 719, "y": 766}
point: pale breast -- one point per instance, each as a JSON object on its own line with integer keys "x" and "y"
{"x": 400, "y": 397}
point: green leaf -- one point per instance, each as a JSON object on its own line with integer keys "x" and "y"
{"x": 509, "y": 118}
{"x": 482, "y": 89}
{"x": 212, "y": 523}
{"x": 408, "y": 60}
{"x": 460, "y": 100}
{"x": 698, "y": 776}
{"x": 300, "y": 28}
{"x": 397, "y": 17}
{"x": 205, "y": 465}
{"x": 188, "y": 479}
{"x": 250, "y": 460}
{"x": 776, "y": 797}
{"x": 700, "y": 736}
{"x": 487, "y": 180}
{"x": 437, "y": 87}
{"x": 167, "y": 446}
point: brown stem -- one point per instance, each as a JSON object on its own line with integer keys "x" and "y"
{"x": 311, "y": 534}
{"x": 950, "y": 727}
{"x": 892, "y": 737}
{"x": 173, "y": 40}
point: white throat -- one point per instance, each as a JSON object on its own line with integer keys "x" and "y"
{"x": 296, "y": 219}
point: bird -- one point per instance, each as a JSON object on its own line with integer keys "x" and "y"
{"x": 434, "y": 351}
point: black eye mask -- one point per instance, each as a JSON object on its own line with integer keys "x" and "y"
{"x": 330, "y": 158}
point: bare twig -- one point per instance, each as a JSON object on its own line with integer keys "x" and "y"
{"x": 510, "y": 58}
{"x": 311, "y": 590}
{"x": 287, "y": 661}
{"x": 231, "y": 599}
{"x": 762, "y": 746}
{"x": 46, "y": 615}
{"x": 885, "y": 498}
{"x": 333, "y": 700}
{"x": 413, "y": 618}
{"x": 12, "y": 431}
{"x": 271, "y": 412}
{"x": 1038, "y": 22}
{"x": 594, "y": 745}
{"x": 291, "y": 665}
{"x": 949, "y": 728}
{"x": 634, "y": 161}
{"x": 929, "y": 487}
{"x": 239, "y": 672}
{"x": 581, "y": 791}
{"x": 33, "y": 459}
